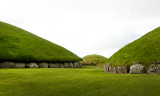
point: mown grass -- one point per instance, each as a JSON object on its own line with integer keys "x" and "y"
{"x": 76, "y": 82}
{"x": 145, "y": 50}
{"x": 17, "y": 44}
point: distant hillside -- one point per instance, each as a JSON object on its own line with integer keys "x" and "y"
{"x": 17, "y": 44}
{"x": 94, "y": 59}
{"x": 145, "y": 50}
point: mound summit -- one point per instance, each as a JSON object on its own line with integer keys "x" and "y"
{"x": 19, "y": 45}
{"x": 145, "y": 50}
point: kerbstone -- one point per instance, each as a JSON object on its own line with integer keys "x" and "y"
{"x": 19, "y": 65}
{"x": 43, "y": 65}
{"x": 7, "y": 65}
{"x": 32, "y": 65}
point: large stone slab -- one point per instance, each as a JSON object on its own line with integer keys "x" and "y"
{"x": 43, "y": 65}
{"x": 153, "y": 69}
{"x": 7, "y": 65}
{"x": 66, "y": 65}
{"x": 137, "y": 69}
{"x": 54, "y": 65}
{"x": 122, "y": 70}
{"x": 106, "y": 68}
{"x": 112, "y": 69}
{"x": 76, "y": 65}
{"x": 61, "y": 65}
{"x": 71, "y": 65}
{"x": 32, "y": 65}
{"x": 19, "y": 65}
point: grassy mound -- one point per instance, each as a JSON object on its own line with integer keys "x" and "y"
{"x": 145, "y": 50}
{"x": 17, "y": 44}
{"x": 93, "y": 59}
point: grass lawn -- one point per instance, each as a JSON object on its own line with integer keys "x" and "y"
{"x": 76, "y": 82}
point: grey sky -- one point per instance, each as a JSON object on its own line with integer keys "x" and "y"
{"x": 84, "y": 26}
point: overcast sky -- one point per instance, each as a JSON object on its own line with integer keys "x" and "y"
{"x": 84, "y": 26}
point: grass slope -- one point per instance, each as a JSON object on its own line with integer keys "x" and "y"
{"x": 145, "y": 50}
{"x": 94, "y": 59}
{"x": 76, "y": 82}
{"x": 19, "y": 45}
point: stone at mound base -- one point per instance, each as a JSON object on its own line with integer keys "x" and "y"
{"x": 77, "y": 65}
{"x": 54, "y": 65}
{"x": 70, "y": 65}
{"x": 61, "y": 65}
{"x": 153, "y": 68}
{"x": 7, "y": 65}
{"x": 137, "y": 69}
{"x": 121, "y": 70}
{"x": 66, "y": 65}
{"x": 19, "y": 65}
{"x": 112, "y": 69}
{"x": 32, "y": 65}
{"x": 43, "y": 65}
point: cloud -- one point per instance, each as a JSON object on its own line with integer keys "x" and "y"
{"x": 84, "y": 26}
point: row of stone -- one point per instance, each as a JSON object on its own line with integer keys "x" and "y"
{"x": 40, "y": 65}
{"x": 134, "y": 69}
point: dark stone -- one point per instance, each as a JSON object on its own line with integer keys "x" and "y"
{"x": 43, "y": 65}
{"x": 7, "y": 65}
{"x": 121, "y": 70}
{"x": 66, "y": 65}
{"x": 61, "y": 65}
{"x": 19, "y": 65}
{"x": 112, "y": 69}
{"x": 76, "y": 65}
{"x": 106, "y": 68}
{"x": 54, "y": 65}
{"x": 70, "y": 65}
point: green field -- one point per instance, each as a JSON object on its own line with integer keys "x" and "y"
{"x": 17, "y": 44}
{"x": 76, "y": 82}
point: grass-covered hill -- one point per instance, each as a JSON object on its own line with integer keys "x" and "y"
{"x": 93, "y": 59}
{"x": 17, "y": 44}
{"x": 145, "y": 50}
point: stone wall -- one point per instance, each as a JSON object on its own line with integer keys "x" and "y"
{"x": 134, "y": 69}
{"x": 39, "y": 65}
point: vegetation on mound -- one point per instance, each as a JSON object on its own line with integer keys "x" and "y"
{"x": 76, "y": 82}
{"x": 93, "y": 59}
{"x": 17, "y": 44}
{"x": 145, "y": 50}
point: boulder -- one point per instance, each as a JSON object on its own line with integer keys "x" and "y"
{"x": 122, "y": 70}
{"x": 43, "y": 65}
{"x": 70, "y": 65}
{"x": 61, "y": 65}
{"x": 137, "y": 69}
{"x": 19, "y": 65}
{"x": 112, "y": 69}
{"x": 7, "y": 65}
{"x": 66, "y": 65}
{"x": 32, "y": 65}
{"x": 54, "y": 65}
{"x": 106, "y": 68}
{"x": 76, "y": 65}
{"x": 153, "y": 68}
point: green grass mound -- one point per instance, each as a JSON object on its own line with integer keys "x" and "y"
{"x": 145, "y": 50}
{"x": 93, "y": 59}
{"x": 17, "y": 44}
